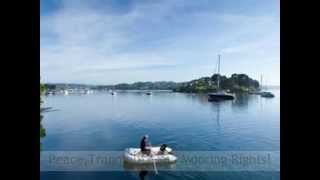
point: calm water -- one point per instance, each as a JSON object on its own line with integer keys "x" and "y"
{"x": 186, "y": 122}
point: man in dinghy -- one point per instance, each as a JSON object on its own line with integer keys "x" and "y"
{"x": 147, "y": 154}
{"x": 145, "y": 145}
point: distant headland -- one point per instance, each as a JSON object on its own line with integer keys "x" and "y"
{"x": 234, "y": 83}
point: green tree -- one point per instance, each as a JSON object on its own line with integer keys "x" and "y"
{"x": 235, "y": 83}
{"x": 42, "y": 129}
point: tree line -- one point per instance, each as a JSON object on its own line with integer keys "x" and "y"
{"x": 234, "y": 83}
{"x": 42, "y": 129}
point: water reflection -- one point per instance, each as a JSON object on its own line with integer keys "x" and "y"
{"x": 241, "y": 102}
{"x": 193, "y": 97}
{"x": 146, "y": 169}
{"x": 199, "y": 98}
{"x": 42, "y": 129}
{"x": 149, "y": 97}
{"x": 185, "y": 121}
{"x": 260, "y": 103}
{"x": 216, "y": 108}
{"x": 218, "y": 115}
{"x": 143, "y": 174}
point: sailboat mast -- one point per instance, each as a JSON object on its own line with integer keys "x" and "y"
{"x": 261, "y": 82}
{"x": 218, "y": 71}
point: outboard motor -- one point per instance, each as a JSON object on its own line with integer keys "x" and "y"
{"x": 163, "y": 147}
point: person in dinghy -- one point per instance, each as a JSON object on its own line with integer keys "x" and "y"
{"x": 145, "y": 146}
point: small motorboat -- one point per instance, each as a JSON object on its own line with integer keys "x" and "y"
{"x": 267, "y": 95}
{"x": 49, "y": 93}
{"x": 149, "y": 93}
{"x": 134, "y": 155}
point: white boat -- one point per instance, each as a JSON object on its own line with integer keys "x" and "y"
{"x": 266, "y": 94}
{"x": 87, "y": 91}
{"x": 134, "y": 155}
{"x": 49, "y": 93}
{"x": 66, "y": 92}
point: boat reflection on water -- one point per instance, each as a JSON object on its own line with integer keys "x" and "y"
{"x": 241, "y": 103}
{"x": 148, "y": 167}
{"x": 143, "y": 174}
{"x": 145, "y": 169}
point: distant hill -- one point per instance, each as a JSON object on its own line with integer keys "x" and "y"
{"x": 160, "y": 85}
{"x": 59, "y": 86}
{"x": 235, "y": 83}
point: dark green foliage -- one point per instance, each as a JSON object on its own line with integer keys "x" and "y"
{"x": 161, "y": 85}
{"x": 50, "y": 86}
{"x": 236, "y": 83}
{"x": 42, "y": 129}
{"x": 42, "y": 88}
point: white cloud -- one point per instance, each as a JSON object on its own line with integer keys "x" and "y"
{"x": 80, "y": 44}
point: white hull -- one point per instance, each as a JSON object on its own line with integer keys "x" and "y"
{"x": 134, "y": 155}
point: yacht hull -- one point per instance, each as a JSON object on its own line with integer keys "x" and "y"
{"x": 219, "y": 97}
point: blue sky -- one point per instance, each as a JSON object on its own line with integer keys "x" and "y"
{"x": 115, "y": 41}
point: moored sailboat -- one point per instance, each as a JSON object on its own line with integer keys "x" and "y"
{"x": 266, "y": 94}
{"x": 220, "y": 94}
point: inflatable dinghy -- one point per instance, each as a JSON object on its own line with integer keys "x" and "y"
{"x": 134, "y": 155}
